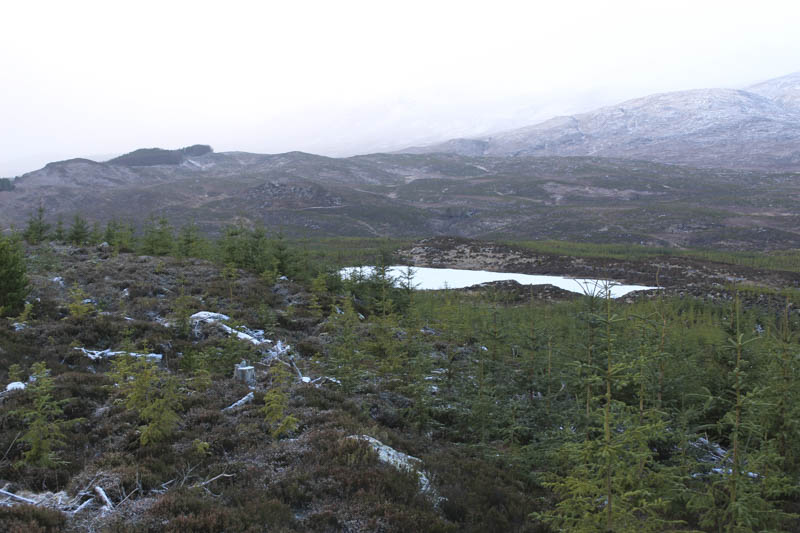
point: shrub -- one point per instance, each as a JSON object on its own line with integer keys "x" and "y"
{"x": 276, "y": 400}
{"x": 31, "y": 519}
{"x": 79, "y": 306}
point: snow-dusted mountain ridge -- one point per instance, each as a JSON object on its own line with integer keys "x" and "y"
{"x": 754, "y": 128}
{"x": 785, "y": 90}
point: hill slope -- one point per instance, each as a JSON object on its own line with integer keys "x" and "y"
{"x": 410, "y": 195}
{"x": 758, "y": 128}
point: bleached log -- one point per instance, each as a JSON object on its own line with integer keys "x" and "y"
{"x": 16, "y": 497}
{"x": 299, "y": 374}
{"x": 247, "y": 399}
{"x": 324, "y": 379}
{"x": 208, "y": 481}
{"x": 103, "y": 497}
{"x": 81, "y": 506}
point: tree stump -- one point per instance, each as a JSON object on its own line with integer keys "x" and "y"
{"x": 244, "y": 373}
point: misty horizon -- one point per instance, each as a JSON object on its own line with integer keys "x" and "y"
{"x": 339, "y": 150}
{"x": 356, "y": 78}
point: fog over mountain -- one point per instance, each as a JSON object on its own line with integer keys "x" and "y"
{"x": 757, "y": 128}
{"x": 79, "y": 79}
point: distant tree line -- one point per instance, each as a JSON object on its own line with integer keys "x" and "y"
{"x": 252, "y": 249}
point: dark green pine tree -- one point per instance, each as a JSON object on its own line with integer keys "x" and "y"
{"x": 158, "y": 238}
{"x": 188, "y": 242}
{"x": 611, "y": 480}
{"x": 78, "y": 233}
{"x": 44, "y": 423}
{"x": 13, "y": 278}
{"x": 58, "y": 233}
{"x": 747, "y": 492}
{"x": 284, "y": 259}
{"x": 96, "y": 234}
{"x": 37, "y": 229}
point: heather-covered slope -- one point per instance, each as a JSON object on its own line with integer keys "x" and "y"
{"x": 574, "y": 198}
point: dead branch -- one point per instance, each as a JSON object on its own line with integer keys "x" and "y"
{"x": 16, "y": 497}
{"x": 9, "y": 446}
{"x": 81, "y": 506}
{"x": 247, "y": 399}
{"x": 208, "y": 481}
{"x": 104, "y": 497}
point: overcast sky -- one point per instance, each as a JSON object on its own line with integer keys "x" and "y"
{"x": 94, "y": 78}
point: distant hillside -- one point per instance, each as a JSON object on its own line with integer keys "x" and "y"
{"x": 593, "y": 199}
{"x": 157, "y": 156}
{"x": 758, "y": 128}
{"x": 785, "y": 90}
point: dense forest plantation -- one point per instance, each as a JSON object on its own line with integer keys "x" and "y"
{"x": 373, "y": 406}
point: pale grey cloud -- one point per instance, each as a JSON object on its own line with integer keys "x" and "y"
{"x": 89, "y": 77}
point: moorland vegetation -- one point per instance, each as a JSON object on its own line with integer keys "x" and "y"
{"x": 656, "y": 412}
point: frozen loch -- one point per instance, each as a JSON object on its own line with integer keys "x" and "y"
{"x": 451, "y": 278}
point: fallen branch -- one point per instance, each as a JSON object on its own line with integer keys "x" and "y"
{"x": 239, "y": 403}
{"x": 164, "y": 487}
{"x": 324, "y": 379}
{"x": 81, "y": 506}
{"x": 14, "y": 496}
{"x": 208, "y": 481}
{"x": 299, "y": 374}
{"x": 104, "y": 497}
{"x": 9, "y": 446}
{"x": 128, "y": 496}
